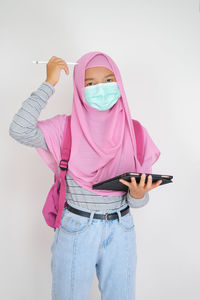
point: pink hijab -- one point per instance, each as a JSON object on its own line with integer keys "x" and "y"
{"x": 103, "y": 142}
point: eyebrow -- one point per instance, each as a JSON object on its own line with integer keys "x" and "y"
{"x": 104, "y": 77}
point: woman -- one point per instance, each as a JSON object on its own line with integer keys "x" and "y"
{"x": 97, "y": 229}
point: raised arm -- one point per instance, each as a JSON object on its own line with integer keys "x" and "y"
{"x": 23, "y": 127}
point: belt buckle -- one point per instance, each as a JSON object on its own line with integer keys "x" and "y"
{"x": 106, "y": 216}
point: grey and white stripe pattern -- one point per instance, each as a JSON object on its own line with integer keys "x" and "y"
{"x": 79, "y": 197}
{"x": 24, "y": 129}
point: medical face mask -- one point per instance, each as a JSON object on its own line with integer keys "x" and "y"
{"x": 102, "y": 96}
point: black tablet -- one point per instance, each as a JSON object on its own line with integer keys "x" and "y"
{"x": 115, "y": 185}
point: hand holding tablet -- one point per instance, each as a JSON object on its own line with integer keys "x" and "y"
{"x": 115, "y": 185}
{"x": 138, "y": 190}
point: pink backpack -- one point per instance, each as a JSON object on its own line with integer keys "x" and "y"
{"x": 55, "y": 201}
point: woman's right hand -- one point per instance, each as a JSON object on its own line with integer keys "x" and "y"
{"x": 54, "y": 66}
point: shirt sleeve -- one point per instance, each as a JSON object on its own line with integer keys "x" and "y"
{"x": 23, "y": 127}
{"x": 136, "y": 203}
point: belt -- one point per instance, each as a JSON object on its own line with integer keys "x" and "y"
{"x": 106, "y": 216}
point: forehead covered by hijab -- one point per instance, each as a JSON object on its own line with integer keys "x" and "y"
{"x": 99, "y": 61}
{"x": 90, "y": 60}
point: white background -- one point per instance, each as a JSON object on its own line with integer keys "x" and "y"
{"x": 156, "y": 45}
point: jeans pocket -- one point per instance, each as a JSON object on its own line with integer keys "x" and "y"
{"x": 72, "y": 223}
{"x": 127, "y": 223}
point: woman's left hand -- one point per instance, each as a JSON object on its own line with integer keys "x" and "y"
{"x": 138, "y": 190}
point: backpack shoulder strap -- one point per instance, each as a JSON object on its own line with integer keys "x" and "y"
{"x": 66, "y": 144}
{"x": 139, "y": 135}
{"x": 65, "y": 154}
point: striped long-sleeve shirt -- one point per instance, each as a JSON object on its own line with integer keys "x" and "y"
{"x": 24, "y": 129}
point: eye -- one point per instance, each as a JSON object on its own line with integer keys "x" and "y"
{"x": 90, "y": 83}
{"x": 109, "y": 79}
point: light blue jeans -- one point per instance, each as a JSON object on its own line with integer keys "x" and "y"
{"x": 82, "y": 245}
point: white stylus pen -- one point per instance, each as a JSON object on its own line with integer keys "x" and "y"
{"x": 45, "y": 62}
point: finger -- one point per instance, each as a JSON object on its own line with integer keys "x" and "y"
{"x": 149, "y": 182}
{"x": 155, "y": 184}
{"x": 142, "y": 180}
{"x": 53, "y": 58}
{"x": 57, "y": 59}
{"x": 125, "y": 182}
{"x": 64, "y": 66}
{"x": 133, "y": 182}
